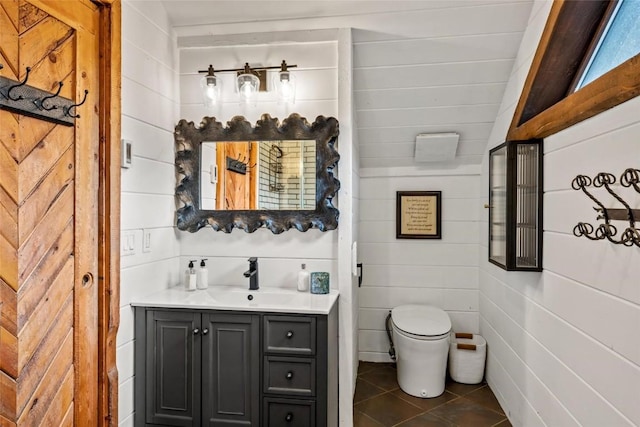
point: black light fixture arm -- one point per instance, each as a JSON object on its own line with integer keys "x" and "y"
{"x": 283, "y": 67}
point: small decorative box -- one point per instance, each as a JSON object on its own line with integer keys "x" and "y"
{"x": 320, "y": 282}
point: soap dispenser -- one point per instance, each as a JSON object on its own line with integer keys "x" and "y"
{"x": 303, "y": 279}
{"x": 190, "y": 277}
{"x": 203, "y": 276}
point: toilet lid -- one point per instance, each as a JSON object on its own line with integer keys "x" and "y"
{"x": 422, "y": 320}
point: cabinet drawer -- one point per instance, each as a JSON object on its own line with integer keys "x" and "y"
{"x": 289, "y": 413}
{"x": 290, "y": 375}
{"x": 290, "y": 335}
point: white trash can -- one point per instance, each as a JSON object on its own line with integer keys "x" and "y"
{"x": 467, "y": 355}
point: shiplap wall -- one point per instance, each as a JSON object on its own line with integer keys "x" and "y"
{"x": 149, "y": 111}
{"x": 561, "y": 344}
{"x": 280, "y": 255}
{"x": 442, "y": 273}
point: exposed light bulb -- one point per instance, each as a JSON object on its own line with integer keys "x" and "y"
{"x": 210, "y": 89}
{"x": 285, "y": 87}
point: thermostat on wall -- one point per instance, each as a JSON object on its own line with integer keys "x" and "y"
{"x": 126, "y": 153}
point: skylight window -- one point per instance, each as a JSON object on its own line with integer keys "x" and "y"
{"x": 619, "y": 42}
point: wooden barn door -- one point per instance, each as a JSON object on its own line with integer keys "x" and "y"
{"x": 49, "y": 219}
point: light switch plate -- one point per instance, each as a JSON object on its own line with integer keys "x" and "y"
{"x": 126, "y": 153}
{"x": 128, "y": 243}
{"x": 146, "y": 240}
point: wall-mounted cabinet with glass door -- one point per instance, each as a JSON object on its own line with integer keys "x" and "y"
{"x": 515, "y": 205}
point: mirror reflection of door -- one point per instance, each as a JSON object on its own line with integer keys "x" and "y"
{"x": 236, "y": 190}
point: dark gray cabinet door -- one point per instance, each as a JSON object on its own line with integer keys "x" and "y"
{"x": 172, "y": 368}
{"x": 230, "y": 370}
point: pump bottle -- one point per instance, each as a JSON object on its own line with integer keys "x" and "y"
{"x": 303, "y": 279}
{"x": 203, "y": 276}
{"x": 190, "y": 277}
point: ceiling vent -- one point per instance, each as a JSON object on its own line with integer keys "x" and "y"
{"x": 436, "y": 147}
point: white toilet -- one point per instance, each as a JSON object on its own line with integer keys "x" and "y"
{"x": 421, "y": 340}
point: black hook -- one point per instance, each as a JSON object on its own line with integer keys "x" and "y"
{"x": 40, "y": 102}
{"x": 18, "y": 85}
{"x": 67, "y": 110}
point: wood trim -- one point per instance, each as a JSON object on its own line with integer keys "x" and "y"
{"x": 109, "y": 210}
{"x": 615, "y": 87}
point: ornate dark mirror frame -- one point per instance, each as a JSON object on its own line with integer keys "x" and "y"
{"x": 188, "y": 140}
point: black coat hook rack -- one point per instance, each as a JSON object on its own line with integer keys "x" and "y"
{"x": 631, "y": 235}
{"x": 21, "y": 98}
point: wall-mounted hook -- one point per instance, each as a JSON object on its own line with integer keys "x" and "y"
{"x": 67, "y": 110}
{"x": 629, "y": 236}
{"x": 40, "y": 103}
{"x": 631, "y": 178}
{"x": 24, "y": 82}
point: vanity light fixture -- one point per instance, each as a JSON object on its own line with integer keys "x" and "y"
{"x": 249, "y": 82}
{"x": 211, "y": 88}
{"x": 285, "y": 84}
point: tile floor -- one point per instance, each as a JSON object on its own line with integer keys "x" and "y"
{"x": 379, "y": 401}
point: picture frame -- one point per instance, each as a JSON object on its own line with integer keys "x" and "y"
{"x": 418, "y": 215}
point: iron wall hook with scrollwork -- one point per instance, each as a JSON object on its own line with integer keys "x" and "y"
{"x": 630, "y": 236}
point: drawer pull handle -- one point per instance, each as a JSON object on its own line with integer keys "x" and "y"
{"x": 205, "y": 331}
{"x": 289, "y": 375}
{"x": 289, "y": 417}
{"x": 290, "y": 334}
{"x": 196, "y": 331}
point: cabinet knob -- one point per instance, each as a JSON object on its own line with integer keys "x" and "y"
{"x": 290, "y": 334}
{"x": 205, "y": 331}
{"x": 196, "y": 331}
{"x": 289, "y": 375}
{"x": 289, "y": 417}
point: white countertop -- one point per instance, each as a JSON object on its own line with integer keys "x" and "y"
{"x": 277, "y": 300}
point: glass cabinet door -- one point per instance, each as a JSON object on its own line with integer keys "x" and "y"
{"x": 498, "y": 205}
{"x": 515, "y": 205}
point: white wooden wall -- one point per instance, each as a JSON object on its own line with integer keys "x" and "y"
{"x": 149, "y": 111}
{"x": 562, "y": 347}
{"x": 442, "y": 273}
{"x": 280, "y": 255}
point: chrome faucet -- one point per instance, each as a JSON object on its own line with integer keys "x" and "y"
{"x": 252, "y": 274}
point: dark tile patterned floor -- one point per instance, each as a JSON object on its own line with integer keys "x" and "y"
{"x": 379, "y": 401}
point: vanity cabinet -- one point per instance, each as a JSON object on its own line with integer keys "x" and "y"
{"x": 197, "y": 368}
{"x": 241, "y": 368}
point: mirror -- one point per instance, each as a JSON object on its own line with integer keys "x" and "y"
{"x": 258, "y": 175}
{"x": 254, "y": 195}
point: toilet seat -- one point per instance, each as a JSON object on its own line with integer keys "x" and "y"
{"x": 421, "y": 321}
